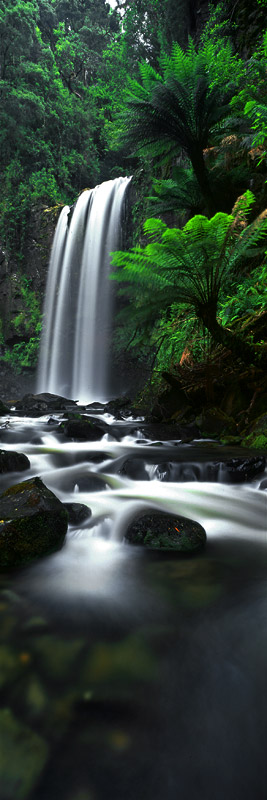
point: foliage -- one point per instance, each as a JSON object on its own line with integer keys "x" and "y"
{"x": 192, "y": 265}
{"x": 250, "y": 297}
{"x": 179, "y": 109}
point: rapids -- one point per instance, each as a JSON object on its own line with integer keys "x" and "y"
{"x": 145, "y": 674}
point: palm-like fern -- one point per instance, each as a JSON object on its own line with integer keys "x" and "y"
{"x": 193, "y": 264}
{"x": 174, "y": 111}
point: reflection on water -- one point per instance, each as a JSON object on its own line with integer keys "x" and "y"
{"x": 131, "y": 675}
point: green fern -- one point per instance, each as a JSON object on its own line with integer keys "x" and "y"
{"x": 194, "y": 265}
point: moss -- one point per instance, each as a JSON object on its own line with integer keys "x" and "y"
{"x": 258, "y": 441}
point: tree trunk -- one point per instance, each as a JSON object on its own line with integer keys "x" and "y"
{"x": 202, "y": 176}
{"x": 241, "y": 349}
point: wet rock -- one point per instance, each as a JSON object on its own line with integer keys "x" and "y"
{"x": 33, "y": 523}
{"x": 166, "y": 532}
{"x": 77, "y": 512}
{"x": 237, "y": 470}
{"x": 13, "y": 462}
{"x": 3, "y": 409}
{"x": 83, "y": 428}
{"x": 35, "y": 405}
{"x": 23, "y": 755}
{"x": 263, "y": 484}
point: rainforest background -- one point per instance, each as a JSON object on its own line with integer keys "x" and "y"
{"x": 174, "y": 93}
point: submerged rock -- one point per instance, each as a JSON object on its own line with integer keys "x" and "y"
{"x": 13, "y": 462}
{"x": 33, "y": 523}
{"x": 23, "y": 755}
{"x": 156, "y": 530}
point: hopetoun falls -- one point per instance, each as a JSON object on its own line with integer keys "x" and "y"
{"x": 133, "y": 400}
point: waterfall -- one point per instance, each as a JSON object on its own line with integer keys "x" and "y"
{"x": 76, "y": 334}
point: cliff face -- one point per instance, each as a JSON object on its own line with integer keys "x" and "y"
{"x": 32, "y": 263}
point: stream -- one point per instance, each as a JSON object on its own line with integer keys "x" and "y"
{"x": 135, "y": 675}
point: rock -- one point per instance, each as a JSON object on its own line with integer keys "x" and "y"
{"x": 33, "y": 523}
{"x": 214, "y": 421}
{"x": 35, "y": 405}
{"x": 13, "y": 462}
{"x": 77, "y": 512}
{"x": 23, "y": 755}
{"x": 256, "y": 436}
{"x": 3, "y": 409}
{"x": 237, "y": 470}
{"x": 83, "y": 428}
{"x": 156, "y": 530}
{"x": 169, "y": 431}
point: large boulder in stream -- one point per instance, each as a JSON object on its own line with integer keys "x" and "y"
{"x": 35, "y": 405}
{"x": 33, "y": 523}
{"x": 11, "y": 461}
{"x": 156, "y": 530}
{"x": 83, "y": 428}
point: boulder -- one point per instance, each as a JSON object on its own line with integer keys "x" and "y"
{"x": 77, "y": 512}
{"x": 156, "y": 530}
{"x": 13, "y": 462}
{"x": 33, "y": 523}
{"x": 256, "y": 435}
{"x": 237, "y": 470}
{"x": 23, "y": 756}
{"x": 35, "y": 405}
{"x": 83, "y": 428}
{"x": 3, "y": 409}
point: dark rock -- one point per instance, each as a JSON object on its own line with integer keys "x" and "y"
{"x": 35, "y": 405}
{"x": 3, "y": 409}
{"x": 83, "y": 428}
{"x": 77, "y": 512}
{"x": 33, "y": 523}
{"x": 256, "y": 435}
{"x": 169, "y": 431}
{"x": 13, "y": 462}
{"x": 23, "y": 757}
{"x": 214, "y": 421}
{"x": 263, "y": 484}
{"x": 237, "y": 470}
{"x": 166, "y": 532}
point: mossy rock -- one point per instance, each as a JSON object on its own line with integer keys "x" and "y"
{"x": 23, "y": 755}
{"x": 167, "y": 533}
{"x": 33, "y": 523}
{"x": 257, "y": 435}
{"x": 214, "y": 422}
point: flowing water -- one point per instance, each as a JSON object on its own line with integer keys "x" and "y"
{"x": 141, "y": 675}
{"x": 78, "y": 306}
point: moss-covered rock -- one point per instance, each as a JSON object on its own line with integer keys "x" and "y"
{"x": 33, "y": 523}
{"x": 256, "y": 435}
{"x": 23, "y": 755}
{"x": 166, "y": 532}
{"x": 214, "y": 421}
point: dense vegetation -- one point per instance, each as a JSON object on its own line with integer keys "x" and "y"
{"x": 181, "y": 87}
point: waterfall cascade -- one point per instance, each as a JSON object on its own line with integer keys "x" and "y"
{"x": 77, "y": 315}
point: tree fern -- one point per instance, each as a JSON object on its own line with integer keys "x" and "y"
{"x": 194, "y": 264}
